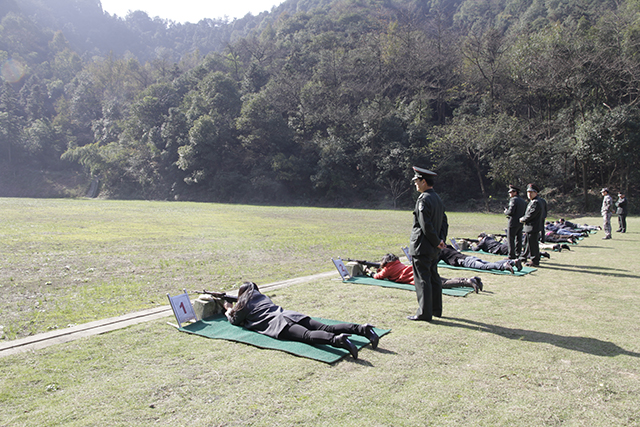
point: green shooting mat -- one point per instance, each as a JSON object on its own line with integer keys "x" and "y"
{"x": 366, "y": 280}
{"x": 525, "y": 270}
{"x": 471, "y": 251}
{"x": 218, "y": 327}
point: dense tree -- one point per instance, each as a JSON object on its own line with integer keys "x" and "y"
{"x": 328, "y": 101}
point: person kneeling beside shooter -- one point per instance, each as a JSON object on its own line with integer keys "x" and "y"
{"x": 393, "y": 270}
{"x": 257, "y": 312}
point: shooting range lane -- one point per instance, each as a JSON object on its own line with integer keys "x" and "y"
{"x": 106, "y": 325}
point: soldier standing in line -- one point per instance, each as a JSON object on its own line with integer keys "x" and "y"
{"x": 428, "y": 235}
{"x": 621, "y": 211}
{"x": 606, "y": 210}
{"x": 515, "y": 210}
{"x": 532, "y": 227}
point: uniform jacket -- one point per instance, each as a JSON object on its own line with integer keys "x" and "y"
{"x": 452, "y": 257}
{"x": 515, "y": 210}
{"x": 396, "y": 272}
{"x": 532, "y": 216}
{"x": 430, "y": 225}
{"x": 543, "y": 212}
{"x": 621, "y": 204}
{"x": 491, "y": 245}
{"x": 607, "y": 205}
{"x": 263, "y": 316}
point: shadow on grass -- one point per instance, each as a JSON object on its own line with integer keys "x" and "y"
{"x": 595, "y": 247}
{"x": 585, "y": 345}
{"x": 600, "y": 271}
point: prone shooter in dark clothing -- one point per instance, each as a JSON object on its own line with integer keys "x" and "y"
{"x": 257, "y": 312}
{"x": 491, "y": 245}
{"x": 456, "y": 259}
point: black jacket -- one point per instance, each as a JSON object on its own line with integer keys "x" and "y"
{"x": 450, "y": 256}
{"x": 430, "y": 224}
{"x": 532, "y": 217}
{"x": 515, "y": 210}
{"x": 263, "y": 316}
{"x": 621, "y": 205}
{"x": 491, "y": 245}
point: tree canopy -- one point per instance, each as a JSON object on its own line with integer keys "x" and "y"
{"x": 328, "y": 102}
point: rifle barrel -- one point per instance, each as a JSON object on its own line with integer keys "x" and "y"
{"x": 366, "y": 263}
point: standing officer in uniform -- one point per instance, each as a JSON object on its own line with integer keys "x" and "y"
{"x": 621, "y": 211}
{"x": 532, "y": 227}
{"x": 606, "y": 210}
{"x": 428, "y": 236}
{"x": 515, "y": 210}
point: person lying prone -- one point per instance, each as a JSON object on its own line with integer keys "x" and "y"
{"x": 256, "y": 311}
{"x": 456, "y": 259}
{"x": 395, "y": 271}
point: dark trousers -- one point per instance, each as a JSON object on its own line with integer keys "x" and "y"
{"x": 622, "y": 223}
{"x": 514, "y": 241}
{"x": 428, "y": 286}
{"x": 313, "y": 332}
{"x": 531, "y": 247}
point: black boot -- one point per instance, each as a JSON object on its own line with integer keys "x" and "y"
{"x": 371, "y": 335}
{"x": 342, "y": 341}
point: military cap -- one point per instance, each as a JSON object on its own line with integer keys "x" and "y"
{"x": 422, "y": 173}
{"x": 533, "y": 187}
{"x": 514, "y": 188}
{"x": 605, "y": 189}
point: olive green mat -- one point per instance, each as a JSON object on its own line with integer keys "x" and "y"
{"x": 218, "y": 327}
{"x": 365, "y": 280}
{"x": 525, "y": 270}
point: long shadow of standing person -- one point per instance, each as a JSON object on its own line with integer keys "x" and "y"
{"x": 582, "y": 344}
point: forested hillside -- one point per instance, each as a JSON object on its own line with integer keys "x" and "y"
{"x": 325, "y": 102}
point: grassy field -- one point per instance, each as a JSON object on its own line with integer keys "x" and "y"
{"x": 556, "y": 347}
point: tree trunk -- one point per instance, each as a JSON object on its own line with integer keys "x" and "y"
{"x": 584, "y": 186}
{"x": 482, "y": 189}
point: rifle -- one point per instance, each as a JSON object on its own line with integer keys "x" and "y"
{"x": 365, "y": 263}
{"x": 468, "y": 240}
{"x": 219, "y": 296}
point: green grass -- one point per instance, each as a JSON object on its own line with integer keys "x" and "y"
{"x": 560, "y": 346}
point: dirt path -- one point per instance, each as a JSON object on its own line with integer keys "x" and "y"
{"x": 105, "y": 325}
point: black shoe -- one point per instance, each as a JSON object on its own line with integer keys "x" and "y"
{"x": 606, "y": 238}
{"x": 342, "y": 341}
{"x": 519, "y": 264}
{"x": 565, "y": 246}
{"x": 474, "y": 284}
{"x": 424, "y": 319}
{"x": 532, "y": 264}
{"x": 479, "y": 282}
{"x": 371, "y": 335}
{"x": 618, "y": 231}
{"x": 545, "y": 254}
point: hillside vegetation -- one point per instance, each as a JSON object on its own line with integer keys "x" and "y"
{"x": 326, "y": 102}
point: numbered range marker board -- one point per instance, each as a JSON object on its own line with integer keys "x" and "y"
{"x": 182, "y": 308}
